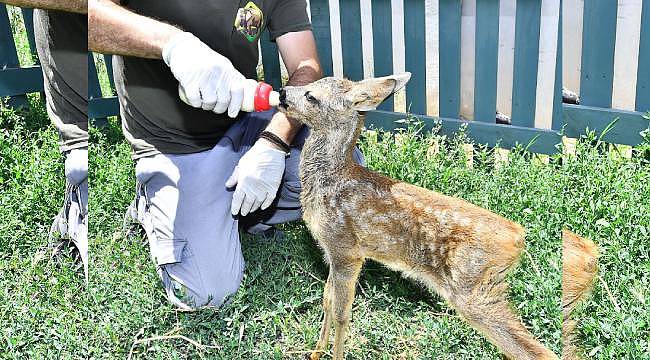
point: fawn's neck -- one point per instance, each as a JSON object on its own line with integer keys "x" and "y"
{"x": 327, "y": 155}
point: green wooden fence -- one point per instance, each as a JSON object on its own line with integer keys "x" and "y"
{"x": 598, "y": 43}
{"x": 16, "y": 81}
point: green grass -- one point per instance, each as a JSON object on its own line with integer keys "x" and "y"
{"x": 102, "y": 76}
{"x": 278, "y": 307}
{"x": 25, "y": 56}
{"x": 47, "y": 312}
{"x": 43, "y": 305}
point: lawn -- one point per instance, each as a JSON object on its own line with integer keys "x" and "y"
{"x": 48, "y": 312}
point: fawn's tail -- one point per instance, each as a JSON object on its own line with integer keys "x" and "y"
{"x": 579, "y": 268}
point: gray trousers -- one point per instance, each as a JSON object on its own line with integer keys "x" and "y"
{"x": 72, "y": 221}
{"x": 61, "y": 42}
{"x": 184, "y": 207}
{"x": 62, "y": 45}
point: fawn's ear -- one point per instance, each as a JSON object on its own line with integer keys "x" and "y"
{"x": 368, "y": 94}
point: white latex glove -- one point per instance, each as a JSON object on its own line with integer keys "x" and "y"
{"x": 257, "y": 177}
{"x": 209, "y": 79}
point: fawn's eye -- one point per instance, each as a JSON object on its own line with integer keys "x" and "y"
{"x": 311, "y": 98}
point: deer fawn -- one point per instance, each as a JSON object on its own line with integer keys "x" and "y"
{"x": 457, "y": 249}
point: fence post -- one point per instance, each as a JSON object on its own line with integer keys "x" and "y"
{"x": 598, "y": 41}
{"x": 351, "y": 39}
{"x": 320, "y": 22}
{"x": 415, "y": 55}
{"x": 524, "y": 87}
{"x": 94, "y": 89}
{"x": 382, "y": 47}
{"x": 643, "y": 72}
{"x": 557, "y": 120}
{"x": 270, "y": 61}
{"x": 8, "y": 55}
{"x": 449, "y": 14}
{"x": 486, "y": 57}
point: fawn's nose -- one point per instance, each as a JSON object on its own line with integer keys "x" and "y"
{"x": 283, "y": 98}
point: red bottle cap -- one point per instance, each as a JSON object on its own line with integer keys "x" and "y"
{"x": 262, "y": 93}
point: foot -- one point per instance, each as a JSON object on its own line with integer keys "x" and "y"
{"x": 131, "y": 228}
{"x": 65, "y": 249}
{"x": 316, "y": 355}
{"x": 60, "y": 246}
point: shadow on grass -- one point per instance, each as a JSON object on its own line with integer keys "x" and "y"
{"x": 27, "y": 119}
{"x": 392, "y": 285}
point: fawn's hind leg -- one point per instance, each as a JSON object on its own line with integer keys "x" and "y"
{"x": 489, "y": 312}
{"x": 323, "y": 339}
{"x": 344, "y": 280}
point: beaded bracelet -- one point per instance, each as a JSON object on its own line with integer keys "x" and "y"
{"x": 276, "y": 140}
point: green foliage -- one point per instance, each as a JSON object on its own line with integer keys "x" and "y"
{"x": 25, "y": 56}
{"x": 102, "y": 75}
{"x": 47, "y": 312}
{"x": 43, "y": 304}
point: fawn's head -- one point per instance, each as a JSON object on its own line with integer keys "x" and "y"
{"x": 329, "y": 103}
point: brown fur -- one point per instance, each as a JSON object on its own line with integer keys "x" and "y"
{"x": 579, "y": 268}
{"x": 457, "y": 249}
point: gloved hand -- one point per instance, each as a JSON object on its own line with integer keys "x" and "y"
{"x": 209, "y": 79}
{"x": 257, "y": 177}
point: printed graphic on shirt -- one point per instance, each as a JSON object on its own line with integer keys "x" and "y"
{"x": 249, "y": 21}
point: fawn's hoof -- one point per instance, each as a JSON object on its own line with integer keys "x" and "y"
{"x": 315, "y": 355}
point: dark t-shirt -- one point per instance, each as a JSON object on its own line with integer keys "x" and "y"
{"x": 62, "y": 44}
{"x": 155, "y": 120}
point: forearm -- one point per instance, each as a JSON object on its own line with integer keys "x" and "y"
{"x": 77, "y": 6}
{"x": 116, "y": 30}
{"x": 307, "y": 72}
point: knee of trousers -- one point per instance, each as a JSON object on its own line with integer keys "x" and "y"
{"x": 191, "y": 294}
{"x": 76, "y": 166}
{"x": 190, "y": 282}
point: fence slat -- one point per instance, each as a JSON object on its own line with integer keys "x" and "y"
{"x": 415, "y": 59}
{"x": 556, "y": 122}
{"x": 486, "y": 58}
{"x": 643, "y": 72}
{"x": 8, "y": 55}
{"x": 94, "y": 91}
{"x": 598, "y": 39}
{"x": 507, "y": 136}
{"x": 320, "y": 23}
{"x": 271, "y": 61}
{"x": 524, "y": 89}
{"x": 351, "y": 39}
{"x": 382, "y": 48}
{"x": 449, "y": 55}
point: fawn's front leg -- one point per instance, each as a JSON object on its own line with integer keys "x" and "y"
{"x": 344, "y": 279}
{"x": 323, "y": 340}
